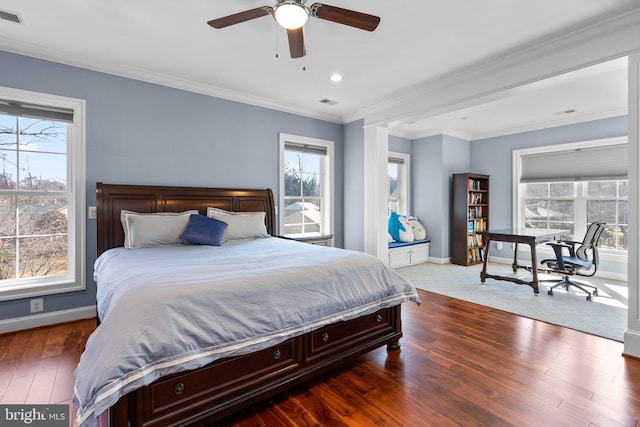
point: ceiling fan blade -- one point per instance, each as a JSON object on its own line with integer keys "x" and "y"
{"x": 348, "y": 17}
{"x": 296, "y": 43}
{"x": 239, "y": 17}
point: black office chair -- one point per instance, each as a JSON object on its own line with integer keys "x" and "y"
{"x": 580, "y": 262}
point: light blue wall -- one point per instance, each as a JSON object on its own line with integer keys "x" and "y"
{"x": 400, "y": 145}
{"x": 434, "y": 160}
{"x": 354, "y": 186}
{"x": 493, "y": 156}
{"x": 141, "y": 133}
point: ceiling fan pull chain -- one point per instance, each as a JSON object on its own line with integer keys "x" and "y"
{"x": 275, "y": 33}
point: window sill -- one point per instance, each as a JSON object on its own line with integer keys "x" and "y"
{"x": 30, "y": 291}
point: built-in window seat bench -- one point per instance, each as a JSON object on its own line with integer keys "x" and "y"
{"x": 402, "y": 254}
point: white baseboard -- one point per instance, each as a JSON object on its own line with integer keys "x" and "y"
{"x": 44, "y": 319}
{"x": 602, "y": 274}
{"x": 632, "y": 343}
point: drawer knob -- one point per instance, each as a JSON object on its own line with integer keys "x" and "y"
{"x": 277, "y": 354}
{"x": 379, "y": 318}
{"x": 325, "y": 337}
{"x": 178, "y": 388}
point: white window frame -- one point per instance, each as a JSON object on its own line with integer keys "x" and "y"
{"x": 580, "y": 199}
{"x": 75, "y": 279}
{"x": 327, "y": 184}
{"x": 404, "y": 182}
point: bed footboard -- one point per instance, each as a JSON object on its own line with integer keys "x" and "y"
{"x": 217, "y": 390}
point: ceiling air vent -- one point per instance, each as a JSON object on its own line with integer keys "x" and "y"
{"x": 10, "y": 16}
{"x": 560, "y": 113}
{"x": 328, "y": 101}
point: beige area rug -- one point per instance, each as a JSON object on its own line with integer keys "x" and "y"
{"x": 605, "y": 315}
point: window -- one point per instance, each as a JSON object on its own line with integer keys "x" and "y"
{"x": 574, "y": 205}
{"x": 550, "y": 205}
{"x": 41, "y": 194}
{"x": 306, "y": 186}
{"x": 398, "y": 166}
{"x": 570, "y": 186}
{"x": 607, "y": 201}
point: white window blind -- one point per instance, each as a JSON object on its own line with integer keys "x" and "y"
{"x": 396, "y": 160}
{"x": 21, "y": 109}
{"x": 305, "y": 148}
{"x": 609, "y": 162}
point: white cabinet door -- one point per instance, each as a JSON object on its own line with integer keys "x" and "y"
{"x": 400, "y": 257}
{"x": 409, "y": 255}
{"x": 419, "y": 253}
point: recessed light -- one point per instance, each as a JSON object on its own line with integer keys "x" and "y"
{"x": 335, "y": 77}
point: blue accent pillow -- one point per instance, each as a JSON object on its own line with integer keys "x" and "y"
{"x": 203, "y": 230}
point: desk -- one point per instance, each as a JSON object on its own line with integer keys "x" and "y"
{"x": 529, "y": 236}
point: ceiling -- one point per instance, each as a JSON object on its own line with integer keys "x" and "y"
{"x": 169, "y": 42}
{"x": 591, "y": 93}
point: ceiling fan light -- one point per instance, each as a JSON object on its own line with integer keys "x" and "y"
{"x": 291, "y": 15}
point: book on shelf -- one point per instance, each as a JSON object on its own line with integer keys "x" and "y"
{"x": 474, "y": 184}
{"x": 476, "y": 226}
{"x": 474, "y": 255}
{"x": 475, "y": 240}
{"x": 475, "y": 198}
{"x": 476, "y": 212}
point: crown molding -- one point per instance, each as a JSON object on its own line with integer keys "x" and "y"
{"x": 148, "y": 76}
{"x": 443, "y": 131}
{"x": 574, "y": 119}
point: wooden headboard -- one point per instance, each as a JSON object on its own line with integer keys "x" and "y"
{"x": 112, "y": 198}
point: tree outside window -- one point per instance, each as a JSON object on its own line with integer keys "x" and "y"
{"x": 33, "y": 198}
{"x": 303, "y": 193}
{"x": 574, "y": 205}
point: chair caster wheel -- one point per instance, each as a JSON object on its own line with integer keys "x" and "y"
{"x": 550, "y": 292}
{"x": 595, "y": 292}
{"x": 588, "y": 297}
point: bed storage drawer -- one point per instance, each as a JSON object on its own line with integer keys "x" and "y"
{"x": 336, "y": 337}
{"x": 215, "y": 383}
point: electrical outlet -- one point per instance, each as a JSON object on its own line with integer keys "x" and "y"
{"x": 498, "y": 245}
{"x": 37, "y": 305}
{"x": 91, "y": 212}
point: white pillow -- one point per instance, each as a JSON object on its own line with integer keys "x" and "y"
{"x": 143, "y": 230}
{"x": 240, "y": 225}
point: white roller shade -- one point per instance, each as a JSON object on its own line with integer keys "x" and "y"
{"x": 603, "y": 163}
{"x": 305, "y": 148}
{"x": 36, "y": 111}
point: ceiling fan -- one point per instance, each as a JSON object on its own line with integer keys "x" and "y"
{"x": 293, "y": 14}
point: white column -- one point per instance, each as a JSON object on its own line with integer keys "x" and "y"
{"x": 632, "y": 334}
{"x": 376, "y": 147}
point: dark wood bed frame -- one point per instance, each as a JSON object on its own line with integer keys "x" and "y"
{"x": 202, "y": 396}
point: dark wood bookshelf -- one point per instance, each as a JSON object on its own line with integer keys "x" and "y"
{"x": 470, "y": 217}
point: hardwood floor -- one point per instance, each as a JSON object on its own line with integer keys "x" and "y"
{"x": 36, "y": 366}
{"x": 460, "y": 364}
